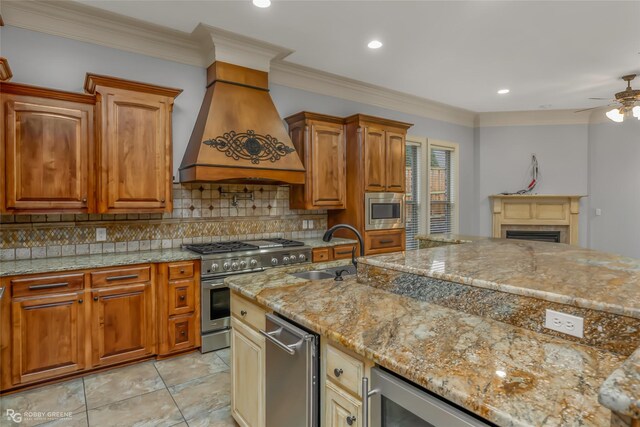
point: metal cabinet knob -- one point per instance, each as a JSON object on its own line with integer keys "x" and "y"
{"x": 243, "y": 313}
{"x": 182, "y": 271}
{"x": 96, "y": 298}
{"x": 337, "y": 372}
{"x": 162, "y": 201}
{"x": 351, "y": 419}
{"x": 182, "y": 332}
{"x": 80, "y": 301}
{"x": 84, "y": 200}
{"x": 182, "y": 297}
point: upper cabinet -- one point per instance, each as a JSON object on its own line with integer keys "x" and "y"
{"x": 48, "y": 146}
{"x": 383, "y": 154}
{"x": 134, "y": 154}
{"x": 321, "y": 144}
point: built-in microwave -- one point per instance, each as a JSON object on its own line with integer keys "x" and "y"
{"x": 383, "y": 211}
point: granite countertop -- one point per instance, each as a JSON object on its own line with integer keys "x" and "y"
{"x": 80, "y": 262}
{"x": 450, "y": 238}
{"x": 508, "y": 375}
{"x": 319, "y": 243}
{"x": 621, "y": 391}
{"x": 549, "y": 271}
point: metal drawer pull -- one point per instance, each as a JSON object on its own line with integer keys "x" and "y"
{"x": 182, "y": 297}
{"x": 49, "y": 286}
{"x": 351, "y": 419}
{"x": 270, "y": 336}
{"x": 384, "y": 242}
{"x": 126, "y": 276}
{"x": 337, "y": 372}
{"x": 343, "y": 252}
{"x": 366, "y": 394}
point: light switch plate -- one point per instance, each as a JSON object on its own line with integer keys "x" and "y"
{"x": 101, "y": 234}
{"x": 565, "y": 323}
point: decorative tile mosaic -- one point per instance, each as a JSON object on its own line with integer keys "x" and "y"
{"x": 201, "y": 213}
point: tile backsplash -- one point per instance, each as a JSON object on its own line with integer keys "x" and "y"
{"x": 201, "y": 213}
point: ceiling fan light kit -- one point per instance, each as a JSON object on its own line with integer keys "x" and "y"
{"x": 629, "y": 100}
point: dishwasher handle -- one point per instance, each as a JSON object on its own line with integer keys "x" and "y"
{"x": 291, "y": 349}
{"x": 366, "y": 395}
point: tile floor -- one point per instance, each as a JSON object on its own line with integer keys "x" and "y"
{"x": 191, "y": 390}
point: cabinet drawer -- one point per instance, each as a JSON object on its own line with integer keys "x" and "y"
{"x": 182, "y": 332}
{"x": 342, "y": 251}
{"x": 344, "y": 370}
{"x": 248, "y": 312}
{"x": 384, "y": 241}
{"x": 320, "y": 254}
{"x": 182, "y": 270}
{"x": 121, "y": 276}
{"x": 341, "y": 410}
{"x": 181, "y": 297}
{"x": 58, "y": 283}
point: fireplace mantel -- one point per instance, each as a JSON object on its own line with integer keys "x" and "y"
{"x": 536, "y": 212}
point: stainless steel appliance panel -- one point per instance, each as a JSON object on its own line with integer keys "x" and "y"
{"x": 292, "y": 375}
{"x": 384, "y": 211}
{"x": 215, "y": 315}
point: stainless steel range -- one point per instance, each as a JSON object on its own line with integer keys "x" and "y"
{"x": 223, "y": 259}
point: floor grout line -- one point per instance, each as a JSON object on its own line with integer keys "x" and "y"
{"x": 184, "y": 419}
{"x": 86, "y": 402}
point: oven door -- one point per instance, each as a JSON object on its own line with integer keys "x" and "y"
{"x": 384, "y": 211}
{"x": 398, "y": 403}
{"x": 216, "y": 305}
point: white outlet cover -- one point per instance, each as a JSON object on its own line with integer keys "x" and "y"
{"x": 565, "y": 323}
{"x": 101, "y": 234}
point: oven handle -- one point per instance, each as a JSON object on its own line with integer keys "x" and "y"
{"x": 366, "y": 395}
{"x": 214, "y": 285}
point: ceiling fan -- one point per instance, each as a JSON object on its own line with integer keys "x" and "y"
{"x": 627, "y": 102}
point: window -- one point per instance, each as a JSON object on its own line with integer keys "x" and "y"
{"x": 431, "y": 188}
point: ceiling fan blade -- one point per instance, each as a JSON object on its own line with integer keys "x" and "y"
{"x": 586, "y": 109}
{"x": 601, "y": 99}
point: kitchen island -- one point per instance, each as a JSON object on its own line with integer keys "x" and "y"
{"x": 510, "y": 374}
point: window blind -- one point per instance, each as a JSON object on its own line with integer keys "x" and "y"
{"x": 414, "y": 180}
{"x": 441, "y": 190}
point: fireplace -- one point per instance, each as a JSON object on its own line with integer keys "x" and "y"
{"x": 538, "y": 235}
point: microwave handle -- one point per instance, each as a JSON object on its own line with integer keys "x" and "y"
{"x": 366, "y": 395}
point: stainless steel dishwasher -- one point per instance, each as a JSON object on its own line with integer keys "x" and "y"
{"x": 292, "y": 374}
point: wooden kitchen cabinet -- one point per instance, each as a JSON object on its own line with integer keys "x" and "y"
{"x": 178, "y": 307}
{"x": 341, "y": 409}
{"x": 395, "y": 158}
{"x": 382, "y": 241}
{"x": 48, "y": 144}
{"x": 333, "y": 253}
{"x": 320, "y": 142}
{"x": 48, "y": 337}
{"x": 375, "y": 153}
{"x": 123, "y": 316}
{"x": 134, "y": 154}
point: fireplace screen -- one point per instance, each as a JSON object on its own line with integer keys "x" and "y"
{"x": 541, "y": 236}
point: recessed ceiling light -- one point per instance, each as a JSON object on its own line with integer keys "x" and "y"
{"x": 262, "y": 3}
{"x": 503, "y": 91}
{"x": 375, "y": 44}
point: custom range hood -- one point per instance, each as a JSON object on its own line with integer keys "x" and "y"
{"x": 238, "y": 135}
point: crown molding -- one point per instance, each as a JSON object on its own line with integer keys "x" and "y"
{"x": 89, "y": 24}
{"x": 532, "y": 118}
{"x": 309, "y": 79}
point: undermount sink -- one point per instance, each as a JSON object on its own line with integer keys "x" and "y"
{"x": 313, "y": 275}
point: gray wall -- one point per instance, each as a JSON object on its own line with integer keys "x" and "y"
{"x": 614, "y": 187}
{"x": 504, "y": 159}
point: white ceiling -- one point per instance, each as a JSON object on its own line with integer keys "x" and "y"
{"x": 551, "y": 54}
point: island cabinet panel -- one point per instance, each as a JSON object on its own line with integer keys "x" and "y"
{"x": 123, "y": 326}
{"x": 321, "y": 144}
{"x": 395, "y": 162}
{"x": 247, "y": 375}
{"x": 375, "y": 167}
{"x": 134, "y": 145}
{"x": 48, "y": 144}
{"x": 48, "y": 337}
{"x": 341, "y": 409}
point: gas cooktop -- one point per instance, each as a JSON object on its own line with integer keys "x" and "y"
{"x": 240, "y": 246}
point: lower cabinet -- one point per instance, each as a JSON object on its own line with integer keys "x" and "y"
{"x": 48, "y": 337}
{"x": 341, "y": 409}
{"x": 122, "y": 323}
{"x": 247, "y": 375}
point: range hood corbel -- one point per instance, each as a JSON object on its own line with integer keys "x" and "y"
{"x": 239, "y": 135}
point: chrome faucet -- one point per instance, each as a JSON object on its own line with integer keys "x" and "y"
{"x": 329, "y": 234}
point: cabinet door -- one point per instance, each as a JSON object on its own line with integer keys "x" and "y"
{"x": 374, "y": 159}
{"x": 47, "y": 148}
{"x": 341, "y": 410}
{"x": 48, "y": 337}
{"x": 328, "y": 166}
{"x": 135, "y": 153}
{"x": 122, "y": 323}
{"x": 247, "y": 375}
{"x": 396, "y": 162}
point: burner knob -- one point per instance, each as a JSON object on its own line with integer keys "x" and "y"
{"x": 226, "y": 266}
{"x": 234, "y": 266}
{"x": 243, "y": 264}
{"x": 274, "y": 261}
{"x": 285, "y": 260}
{"x": 214, "y": 266}
{"x": 253, "y": 263}
{"x": 302, "y": 258}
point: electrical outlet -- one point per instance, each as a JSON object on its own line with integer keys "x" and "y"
{"x": 310, "y": 223}
{"x": 305, "y": 224}
{"x": 598, "y": 211}
{"x": 565, "y": 323}
{"x": 101, "y": 234}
